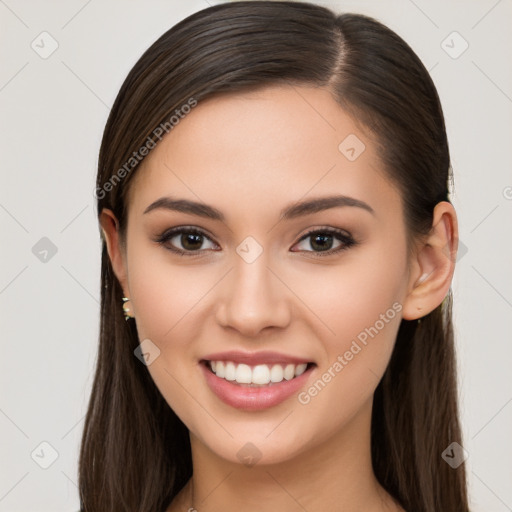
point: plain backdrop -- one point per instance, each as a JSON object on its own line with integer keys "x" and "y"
{"x": 53, "y": 111}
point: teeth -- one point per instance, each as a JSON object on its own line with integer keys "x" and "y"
{"x": 243, "y": 374}
{"x": 230, "y": 371}
{"x": 276, "y": 373}
{"x": 289, "y": 371}
{"x": 261, "y": 374}
{"x": 219, "y": 368}
{"x": 301, "y": 368}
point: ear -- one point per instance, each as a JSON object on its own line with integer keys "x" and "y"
{"x": 433, "y": 265}
{"x": 110, "y": 229}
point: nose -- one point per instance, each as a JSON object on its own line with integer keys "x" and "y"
{"x": 253, "y": 298}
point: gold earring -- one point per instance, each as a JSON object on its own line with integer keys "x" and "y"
{"x": 126, "y": 309}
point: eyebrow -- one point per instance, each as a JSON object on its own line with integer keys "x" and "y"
{"x": 293, "y": 211}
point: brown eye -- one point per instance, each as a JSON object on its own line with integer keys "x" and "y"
{"x": 191, "y": 240}
{"x": 322, "y": 240}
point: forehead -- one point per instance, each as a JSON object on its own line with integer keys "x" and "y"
{"x": 265, "y": 148}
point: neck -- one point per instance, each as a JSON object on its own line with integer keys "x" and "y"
{"x": 336, "y": 474}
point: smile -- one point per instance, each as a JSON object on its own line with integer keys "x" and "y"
{"x": 259, "y": 375}
{"x": 255, "y": 381}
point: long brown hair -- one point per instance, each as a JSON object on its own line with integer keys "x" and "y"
{"x": 135, "y": 452}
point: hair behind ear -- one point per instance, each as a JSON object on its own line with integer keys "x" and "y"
{"x": 415, "y": 417}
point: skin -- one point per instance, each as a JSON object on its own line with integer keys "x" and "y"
{"x": 250, "y": 155}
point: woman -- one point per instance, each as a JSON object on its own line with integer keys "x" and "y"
{"x": 278, "y": 249}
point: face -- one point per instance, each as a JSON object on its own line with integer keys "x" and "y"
{"x": 308, "y": 297}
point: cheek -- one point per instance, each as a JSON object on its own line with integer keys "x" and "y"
{"x": 167, "y": 302}
{"x": 362, "y": 307}
{"x": 165, "y": 296}
{"x": 362, "y": 293}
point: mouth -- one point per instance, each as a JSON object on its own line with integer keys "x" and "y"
{"x": 255, "y": 382}
{"x": 260, "y": 375}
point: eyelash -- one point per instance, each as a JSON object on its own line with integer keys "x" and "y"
{"x": 346, "y": 239}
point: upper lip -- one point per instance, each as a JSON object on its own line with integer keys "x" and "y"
{"x": 255, "y": 358}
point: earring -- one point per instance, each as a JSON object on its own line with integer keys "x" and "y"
{"x": 126, "y": 309}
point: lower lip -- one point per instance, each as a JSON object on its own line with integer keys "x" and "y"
{"x": 253, "y": 398}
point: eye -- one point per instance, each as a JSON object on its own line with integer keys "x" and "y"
{"x": 321, "y": 240}
{"x": 190, "y": 239}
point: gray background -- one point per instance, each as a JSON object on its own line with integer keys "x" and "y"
{"x": 53, "y": 111}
